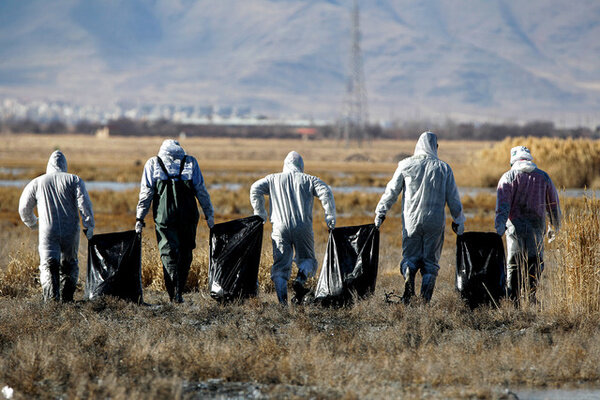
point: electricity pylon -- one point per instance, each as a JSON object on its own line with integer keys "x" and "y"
{"x": 356, "y": 114}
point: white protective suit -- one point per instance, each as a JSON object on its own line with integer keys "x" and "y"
{"x": 60, "y": 197}
{"x": 428, "y": 185}
{"x": 291, "y": 195}
{"x": 526, "y": 195}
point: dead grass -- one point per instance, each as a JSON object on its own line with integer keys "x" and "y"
{"x": 121, "y": 159}
{"x": 112, "y": 349}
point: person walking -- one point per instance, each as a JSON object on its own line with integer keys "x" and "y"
{"x": 60, "y": 198}
{"x": 171, "y": 182}
{"x": 428, "y": 185}
{"x": 525, "y": 195}
{"x": 291, "y": 195}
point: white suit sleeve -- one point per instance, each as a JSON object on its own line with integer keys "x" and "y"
{"x": 325, "y": 195}
{"x": 201, "y": 192}
{"x": 27, "y": 203}
{"x": 392, "y": 191}
{"x": 453, "y": 200}
{"x": 146, "y": 191}
{"x": 85, "y": 205}
{"x": 259, "y": 189}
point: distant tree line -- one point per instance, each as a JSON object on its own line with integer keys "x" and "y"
{"x": 406, "y": 130}
{"x": 488, "y": 131}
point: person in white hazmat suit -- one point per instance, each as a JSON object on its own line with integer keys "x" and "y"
{"x": 525, "y": 195}
{"x": 171, "y": 182}
{"x": 291, "y": 195}
{"x": 60, "y": 198}
{"x": 428, "y": 185}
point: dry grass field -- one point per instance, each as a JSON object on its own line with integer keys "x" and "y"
{"x": 113, "y": 349}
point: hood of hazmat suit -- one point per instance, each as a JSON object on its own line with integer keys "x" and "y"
{"x": 171, "y": 153}
{"x": 526, "y": 195}
{"x": 428, "y": 185}
{"x": 291, "y": 195}
{"x": 60, "y": 198}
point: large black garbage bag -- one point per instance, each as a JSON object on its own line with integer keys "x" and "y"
{"x": 115, "y": 266}
{"x": 480, "y": 267}
{"x": 235, "y": 248}
{"x": 350, "y": 265}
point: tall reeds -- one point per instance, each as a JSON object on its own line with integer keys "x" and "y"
{"x": 571, "y": 163}
{"x": 576, "y": 285}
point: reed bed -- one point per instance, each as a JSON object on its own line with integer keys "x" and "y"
{"x": 571, "y": 163}
{"x": 577, "y": 283}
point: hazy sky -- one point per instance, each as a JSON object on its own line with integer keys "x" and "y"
{"x": 486, "y": 57}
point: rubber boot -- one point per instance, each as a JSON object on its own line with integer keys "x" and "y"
{"x": 427, "y": 286}
{"x": 68, "y": 280}
{"x": 281, "y": 289}
{"x": 299, "y": 289}
{"x": 50, "y": 279}
{"x": 409, "y": 286}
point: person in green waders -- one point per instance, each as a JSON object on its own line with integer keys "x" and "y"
{"x": 171, "y": 182}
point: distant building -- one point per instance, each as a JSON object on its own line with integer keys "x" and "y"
{"x": 103, "y": 133}
{"x": 307, "y": 133}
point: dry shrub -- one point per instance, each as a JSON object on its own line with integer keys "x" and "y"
{"x": 9, "y": 198}
{"x": 479, "y": 202}
{"x": 571, "y": 163}
{"x": 21, "y": 275}
{"x": 577, "y": 288}
{"x": 114, "y": 202}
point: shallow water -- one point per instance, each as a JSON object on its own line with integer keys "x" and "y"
{"x": 12, "y": 171}
{"x": 114, "y": 186}
{"x": 558, "y": 394}
{"x": 464, "y": 191}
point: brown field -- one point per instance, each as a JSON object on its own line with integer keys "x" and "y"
{"x": 372, "y": 350}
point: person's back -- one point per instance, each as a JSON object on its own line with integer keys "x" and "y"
{"x": 425, "y": 178}
{"x": 294, "y": 204}
{"x": 60, "y": 197}
{"x": 428, "y": 185}
{"x": 57, "y": 190}
{"x": 291, "y": 194}
{"x": 528, "y": 195}
{"x": 171, "y": 183}
{"x": 525, "y": 195}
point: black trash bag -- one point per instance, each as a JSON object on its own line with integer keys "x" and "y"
{"x": 350, "y": 265}
{"x": 115, "y": 266}
{"x": 235, "y": 248}
{"x": 480, "y": 268}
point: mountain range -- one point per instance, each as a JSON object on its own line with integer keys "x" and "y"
{"x": 464, "y": 59}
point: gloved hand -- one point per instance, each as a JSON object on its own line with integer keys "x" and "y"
{"x": 263, "y": 216}
{"x": 89, "y": 233}
{"x": 551, "y": 234}
{"x": 459, "y": 229}
{"x": 379, "y": 218}
{"x": 210, "y": 222}
{"x": 330, "y": 221}
{"x": 139, "y": 225}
